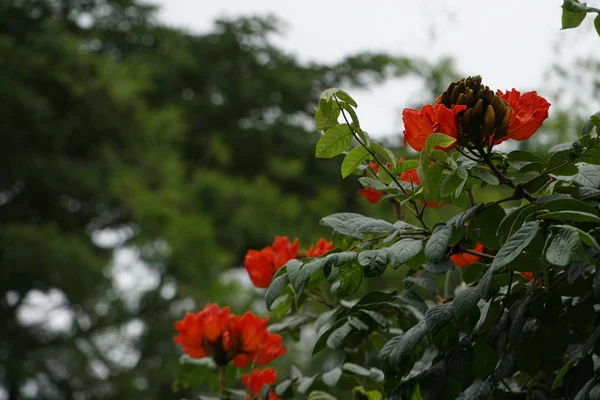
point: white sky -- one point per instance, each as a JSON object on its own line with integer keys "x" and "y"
{"x": 509, "y": 42}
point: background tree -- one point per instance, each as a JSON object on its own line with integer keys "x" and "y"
{"x": 122, "y": 138}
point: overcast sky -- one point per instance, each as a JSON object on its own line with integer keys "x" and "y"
{"x": 509, "y": 42}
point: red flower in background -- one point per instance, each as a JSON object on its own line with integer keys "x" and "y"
{"x": 199, "y": 333}
{"x": 320, "y": 248}
{"x": 257, "y": 379}
{"x": 464, "y": 259}
{"x": 262, "y": 265}
{"x": 527, "y": 275}
{"x": 528, "y": 112}
{"x": 215, "y": 332}
{"x": 420, "y": 124}
{"x": 249, "y": 340}
{"x": 284, "y": 250}
{"x": 372, "y": 195}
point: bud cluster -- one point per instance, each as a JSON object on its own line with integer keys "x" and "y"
{"x": 486, "y": 118}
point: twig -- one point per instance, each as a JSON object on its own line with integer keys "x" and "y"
{"x": 382, "y": 165}
{"x": 476, "y": 253}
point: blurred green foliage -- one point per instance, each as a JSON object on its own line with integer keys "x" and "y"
{"x": 185, "y": 150}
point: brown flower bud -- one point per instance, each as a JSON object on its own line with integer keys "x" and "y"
{"x": 486, "y": 116}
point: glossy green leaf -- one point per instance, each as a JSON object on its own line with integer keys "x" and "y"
{"x": 424, "y": 281}
{"x": 273, "y": 291}
{"x": 437, "y": 245}
{"x": 571, "y": 19}
{"x": 332, "y": 377}
{"x": 373, "y": 261}
{"x": 563, "y": 248}
{"x": 465, "y": 301}
{"x": 334, "y": 142}
{"x": 353, "y": 159}
{"x": 515, "y": 245}
{"x": 402, "y": 251}
{"x": 438, "y": 316}
{"x": 578, "y": 216}
{"x": 438, "y": 139}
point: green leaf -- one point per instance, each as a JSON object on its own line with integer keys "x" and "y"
{"x": 334, "y": 142}
{"x": 402, "y": 251}
{"x": 438, "y": 140}
{"x": 578, "y": 216}
{"x": 275, "y": 288}
{"x": 465, "y": 301}
{"x": 350, "y": 277}
{"x": 373, "y": 261}
{"x": 431, "y": 179}
{"x": 567, "y": 204}
{"x": 571, "y": 19}
{"x": 353, "y": 159}
{"x": 591, "y": 342}
{"x": 356, "y": 369}
{"x": 410, "y": 297}
{"x": 453, "y": 184}
{"x": 522, "y": 155}
{"x": 487, "y": 223}
{"x": 433, "y": 383}
{"x": 438, "y": 316}
{"x": 563, "y": 248}
{"x": 332, "y": 377}
{"x": 319, "y": 395}
{"x": 485, "y": 175}
{"x": 316, "y": 265}
{"x": 597, "y": 24}
{"x": 346, "y": 97}
{"x": 437, "y": 245}
{"x": 404, "y": 166}
{"x": 385, "y": 153}
{"x": 560, "y": 376}
{"x": 406, "y": 343}
{"x": 372, "y": 183}
{"x": 479, "y": 390}
{"x": 424, "y": 281}
{"x": 439, "y": 267}
{"x": 589, "y": 176}
{"x": 460, "y": 219}
{"x": 305, "y": 383}
{"x": 337, "y": 336}
{"x": 515, "y": 245}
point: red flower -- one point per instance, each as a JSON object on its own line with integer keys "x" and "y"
{"x": 199, "y": 333}
{"x": 463, "y": 259}
{"x": 372, "y": 195}
{"x": 249, "y": 340}
{"x": 527, "y": 275}
{"x": 528, "y": 112}
{"x": 320, "y": 248}
{"x": 284, "y": 250}
{"x": 262, "y": 265}
{"x": 420, "y": 124}
{"x": 258, "y": 379}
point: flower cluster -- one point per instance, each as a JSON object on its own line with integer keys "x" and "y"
{"x": 263, "y": 264}
{"x": 257, "y": 379}
{"x": 476, "y": 116}
{"x": 225, "y": 337}
{"x": 410, "y": 176}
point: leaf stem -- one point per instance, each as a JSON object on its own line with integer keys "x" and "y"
{"x": 383, "y": 166}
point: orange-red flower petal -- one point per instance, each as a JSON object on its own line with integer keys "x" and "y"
{"x": 319, "y": 248}
{"x": 260, "y": 266}
{"x": 420, "y": 124}
{"x": 372, "y": 195}
{"x": 528, "y": 112}
{"x": 199, "y": 332}
{"x": 284, "y": 250}
{"x": 464, "y": 260}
